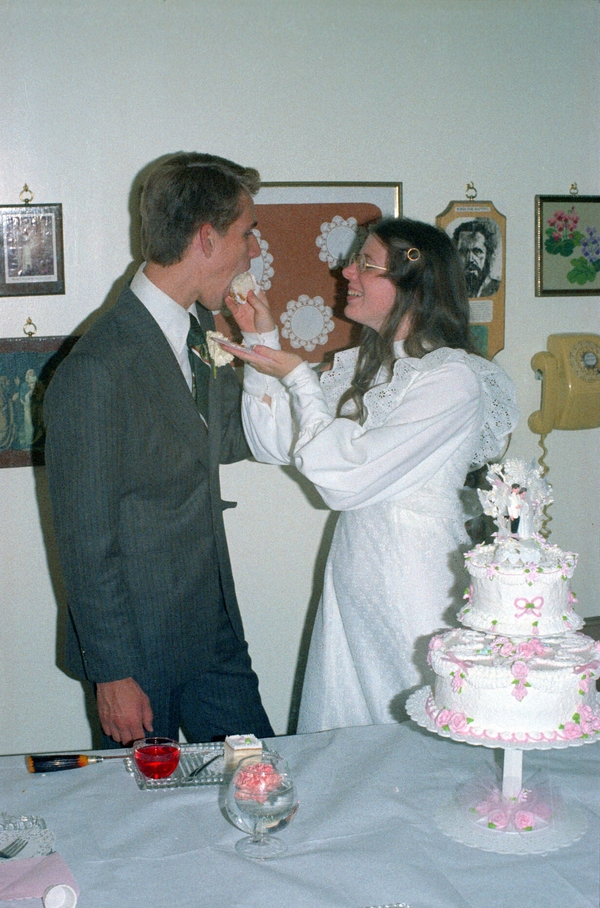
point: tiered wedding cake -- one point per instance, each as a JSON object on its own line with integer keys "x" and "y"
{"x": 520, "y": 674}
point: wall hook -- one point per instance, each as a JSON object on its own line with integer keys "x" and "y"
{"x": 26, "y": 195}
{"x": 29, "y": 328}
{"x": 471, "y": 192}
{"x": 573, "y": 189}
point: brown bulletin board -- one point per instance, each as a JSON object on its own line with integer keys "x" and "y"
{"x": 306, "y": 231}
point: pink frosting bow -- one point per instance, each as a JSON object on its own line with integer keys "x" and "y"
{"x": 588, "y": 667}
{"x": 464, "y": 666}
{"x": 529, "y": 607}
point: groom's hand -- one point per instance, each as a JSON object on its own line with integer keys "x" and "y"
{"x": 124, "y": 709}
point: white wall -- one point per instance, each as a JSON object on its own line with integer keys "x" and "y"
{"x": 433, "y": 93}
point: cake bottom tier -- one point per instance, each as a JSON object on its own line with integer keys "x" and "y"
{"x": 515, "y": 690}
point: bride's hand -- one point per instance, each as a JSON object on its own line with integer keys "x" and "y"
{"x": 277, "y": 363}
{"x": 253, "y": 316}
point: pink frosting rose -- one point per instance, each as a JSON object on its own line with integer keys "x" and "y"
{"x": 519, "y": 669}
{"x": 498, "y": 819}
{"x": 458, "y": 723}
{"x": 538, "y": 647}
{"x": 523, "y": 819}
{"x": 457, "y": 680}
{"x": 526, "y": 650}
{"x": 443, "y": 717}
{"x": 588, "y": 720}
{"x": 520, "y": 691}
{"x": 572, "y": 730}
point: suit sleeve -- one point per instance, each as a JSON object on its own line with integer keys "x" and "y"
{"x": 85, "y": 427}
{"x": 233, "y": 441}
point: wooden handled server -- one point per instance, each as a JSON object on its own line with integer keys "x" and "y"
{"x": 56, "y": 762}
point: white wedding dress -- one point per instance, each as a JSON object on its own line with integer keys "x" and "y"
{"x": 394, "y": 574}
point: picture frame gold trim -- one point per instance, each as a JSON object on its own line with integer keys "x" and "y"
{"x": 31, "y": 250}
{"x": 26, "y": 367}
{"x": 562, "y": 239}
{"x": 298, "y": 227}
{"x": 487, "y": 305}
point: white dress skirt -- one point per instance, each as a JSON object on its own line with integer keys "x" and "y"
{"x": 394, "y": 574}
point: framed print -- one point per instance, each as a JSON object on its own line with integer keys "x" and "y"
{"x": 479, "y": 232}
{"x": 306, "y": 232}
{"x": 567, "y": 229}
{"x": 26, "y": 367}
{"x": 31, "y": 250}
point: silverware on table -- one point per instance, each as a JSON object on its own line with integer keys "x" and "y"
{"x": 13, "y": 849}
{"x": 391, "y": 905}
{"x": 196, "y": 772}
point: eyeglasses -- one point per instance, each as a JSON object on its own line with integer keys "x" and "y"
{"x": 360, "y": 260}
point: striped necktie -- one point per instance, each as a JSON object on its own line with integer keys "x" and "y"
{"x": 196, "y": 341}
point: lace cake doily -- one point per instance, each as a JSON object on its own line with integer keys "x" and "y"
{"x": 568, "y": 825}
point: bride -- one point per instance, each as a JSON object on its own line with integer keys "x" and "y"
{"x": 387, "y": 436}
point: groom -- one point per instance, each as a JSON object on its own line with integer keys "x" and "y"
{"x": 137, "y": 425}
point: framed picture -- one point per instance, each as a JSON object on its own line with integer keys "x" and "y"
{"x": 306, "y": 232}
{"x": 26, "y": 367}
{"x": 478, "y": 230}
{"x": 31, "y": 250}
{"x": 567, "y": 229}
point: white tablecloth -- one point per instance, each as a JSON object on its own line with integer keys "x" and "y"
{"x": 365, "y": 833}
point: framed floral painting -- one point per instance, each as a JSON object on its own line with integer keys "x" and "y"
{"x": 306, "y": 232}
{"x": 567, "y": 245}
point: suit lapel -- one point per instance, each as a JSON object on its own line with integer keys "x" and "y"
{"x": 158, "y": 373}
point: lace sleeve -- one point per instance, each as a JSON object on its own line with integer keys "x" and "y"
{"x": 501, "y": 411}
{"x": 501, "y": 414}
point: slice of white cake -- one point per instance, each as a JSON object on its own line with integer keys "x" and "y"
{"x": 238, "y": 747}
{"x": 241, "y": 286}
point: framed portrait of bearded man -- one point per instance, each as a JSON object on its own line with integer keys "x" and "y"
{"x": 478, "y": 231}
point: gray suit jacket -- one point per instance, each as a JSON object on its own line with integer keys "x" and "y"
{"x": 137, "y": 510}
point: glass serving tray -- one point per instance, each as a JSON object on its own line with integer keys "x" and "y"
{"x": 40, "y": 840}
{"x": 192, "y": 756}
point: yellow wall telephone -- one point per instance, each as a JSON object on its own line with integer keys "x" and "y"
{"x": 570, "y": 374}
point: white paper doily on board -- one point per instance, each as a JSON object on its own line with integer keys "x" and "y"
{"x": 261, "y": 266}
{"x": 307, "y": 322}
{"x": 337, "y": 238}
{"x": 415, "y": 707}
{"x": 567, "y": 826}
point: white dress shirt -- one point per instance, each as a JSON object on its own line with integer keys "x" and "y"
{"x": 173, "y": 320}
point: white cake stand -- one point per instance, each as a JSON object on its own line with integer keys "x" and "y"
{"x": 456, "y": 819}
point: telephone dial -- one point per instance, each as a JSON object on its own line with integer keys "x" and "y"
{"x": 570, "y": 374}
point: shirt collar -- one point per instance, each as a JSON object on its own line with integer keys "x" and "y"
{"x": 173, "y": 319}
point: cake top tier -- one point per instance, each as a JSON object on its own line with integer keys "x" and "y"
{"x": 516, "y": 499}
{"x": 522, "y": 557}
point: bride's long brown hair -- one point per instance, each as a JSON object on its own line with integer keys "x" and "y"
{"x": 430, "y": 292}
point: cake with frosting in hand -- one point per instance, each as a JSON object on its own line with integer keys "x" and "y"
{"x": 519, "y": 672}
{"x": 241, "y": 286}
